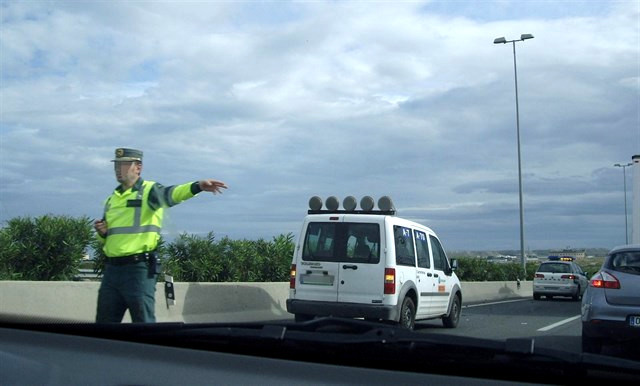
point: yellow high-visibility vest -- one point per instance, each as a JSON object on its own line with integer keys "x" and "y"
{"x": 133, "y": 226}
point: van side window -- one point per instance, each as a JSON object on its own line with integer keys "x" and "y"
{"x": 439, "y": 258}
{"x": 422, "y": 247}
{"x": 403, "y": 239}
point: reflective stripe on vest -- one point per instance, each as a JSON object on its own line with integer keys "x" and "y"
{"x": 133, "y": 230}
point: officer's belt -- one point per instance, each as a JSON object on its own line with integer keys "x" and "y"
{"x": 130, "y": 259}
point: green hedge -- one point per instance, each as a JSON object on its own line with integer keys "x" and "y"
{"x": 43, "y": 248}
{"x": 472, "y": 269}
{"x": 52, "y": 247}
{"x": 193, "y": 258}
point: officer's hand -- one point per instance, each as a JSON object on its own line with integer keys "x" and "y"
{"x": 212, "y": 186}
{"x": 101, "y": 227}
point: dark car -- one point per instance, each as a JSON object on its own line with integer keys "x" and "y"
{"x": 611, "y": 304}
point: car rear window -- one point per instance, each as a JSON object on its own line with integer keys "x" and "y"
{"x": 342, "y": 242}
{"x": 627, "y": 261}
{"x": 554, "y": 268}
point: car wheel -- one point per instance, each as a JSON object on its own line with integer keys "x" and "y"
{"x": 536, "y": 296}
{"x": 577, "y": 296}
{"x": 591, "y": 345}
{"x": 452, "y": 319}
{"x": 408, "y": 314}
{"x": 303, "y": 317}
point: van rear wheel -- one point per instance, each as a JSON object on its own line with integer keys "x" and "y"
{"x": 408, "y": 314}
{"x": 451, "y": 319}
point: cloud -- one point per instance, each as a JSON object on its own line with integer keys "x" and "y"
{"x": 288, "y": 100}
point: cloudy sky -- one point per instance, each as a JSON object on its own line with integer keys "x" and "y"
{"x": 286, "y": 100}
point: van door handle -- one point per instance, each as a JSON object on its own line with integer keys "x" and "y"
{"x": 354, "y": 267}
{"x": 435, "y": 275}
{"x": 429, "y": 274}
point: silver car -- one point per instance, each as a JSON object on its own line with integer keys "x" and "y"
{"x": 559, "y": 276}
{"x": 611, "y": 304}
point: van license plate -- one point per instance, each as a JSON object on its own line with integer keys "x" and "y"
{"x": 634, "y": 321}
{"x": 317, "y": 280}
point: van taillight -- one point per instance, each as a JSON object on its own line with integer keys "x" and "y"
{"x": 389, "y": 281}
{"x": 292, "y": 277}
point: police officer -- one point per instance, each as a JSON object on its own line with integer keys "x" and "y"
{"x": 129, "y": 231}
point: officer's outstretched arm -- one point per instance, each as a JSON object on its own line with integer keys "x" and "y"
{"x": 163, "y": 197}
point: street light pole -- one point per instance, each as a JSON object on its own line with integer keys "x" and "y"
{"x": 624, "y": 178}
{"x": 502, "y": 40}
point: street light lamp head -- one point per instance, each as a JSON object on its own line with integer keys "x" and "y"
{"x": 526, "y": 36}
{"x": 500, "y": 40}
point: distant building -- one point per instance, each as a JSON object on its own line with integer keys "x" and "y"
{"x": 568, "y": 252}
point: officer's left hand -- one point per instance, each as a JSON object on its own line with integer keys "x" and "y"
{"x": 212, "y": 186}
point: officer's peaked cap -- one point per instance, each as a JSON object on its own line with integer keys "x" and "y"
{"x": 124, "y": 154}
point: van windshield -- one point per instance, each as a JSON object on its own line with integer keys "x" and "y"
{"x": 342, "y": 242}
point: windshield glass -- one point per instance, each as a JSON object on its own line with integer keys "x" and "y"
{"x": 456, "y": 168}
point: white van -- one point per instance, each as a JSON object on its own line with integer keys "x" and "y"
{"x": 371, "y": 264}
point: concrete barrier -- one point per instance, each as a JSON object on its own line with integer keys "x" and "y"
{"x": 195, "y": 302}
{"x": 487, "y": 291}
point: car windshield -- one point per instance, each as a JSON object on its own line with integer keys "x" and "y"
{"x": 409, "y": 164}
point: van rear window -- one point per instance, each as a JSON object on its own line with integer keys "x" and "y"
{"x": 342, "y": 242}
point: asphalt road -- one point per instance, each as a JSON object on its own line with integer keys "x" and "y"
{"x": 553, "y": 323}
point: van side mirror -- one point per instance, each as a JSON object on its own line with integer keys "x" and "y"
{"x": 454, "y": 264}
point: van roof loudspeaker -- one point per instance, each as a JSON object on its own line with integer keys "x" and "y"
{"x": 366, "y": 203}
{"x": 315, "y": 203}
{"x": 349, "y": 203}
{"x": 332, "y": 203}
{"x": 385, "y": 204}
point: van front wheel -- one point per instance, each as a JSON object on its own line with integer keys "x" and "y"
{"x": 408, "y": 314}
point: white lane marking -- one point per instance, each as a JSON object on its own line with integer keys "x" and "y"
{"x": 560, "y": 323}
{"x": 488, "y": 304}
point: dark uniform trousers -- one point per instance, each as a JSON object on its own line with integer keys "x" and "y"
{"x": 127, "y": 286}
